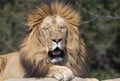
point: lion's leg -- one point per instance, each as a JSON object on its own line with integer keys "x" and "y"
{"x": 2, "y": 67}
{"x": 61, "y": 73}
{"x": 2, "y": 64}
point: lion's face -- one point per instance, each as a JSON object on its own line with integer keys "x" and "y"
{"x": 54, "y": 35}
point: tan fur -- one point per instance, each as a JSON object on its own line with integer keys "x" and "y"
{"x": 32, "y": 59}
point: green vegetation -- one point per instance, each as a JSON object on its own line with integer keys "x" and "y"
{"x": 100, "y": 28}
{"x": 104, "y": 75}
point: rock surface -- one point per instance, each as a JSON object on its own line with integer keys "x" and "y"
{"x": 117, "y": 79}
{"x": 44, "y": 79}
{"x": 52, "y": 79}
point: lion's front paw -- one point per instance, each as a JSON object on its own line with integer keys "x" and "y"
{"x": 61, "y": 73}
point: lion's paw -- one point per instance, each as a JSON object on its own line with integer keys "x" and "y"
{"x": 61, "y": 73}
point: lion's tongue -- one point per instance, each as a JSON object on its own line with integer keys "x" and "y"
{"x": 56, "y": 52}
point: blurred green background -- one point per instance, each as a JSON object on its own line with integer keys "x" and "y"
{"x": 100, "y": 28}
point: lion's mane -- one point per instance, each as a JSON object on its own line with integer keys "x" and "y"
{"x": 33, "y": 54}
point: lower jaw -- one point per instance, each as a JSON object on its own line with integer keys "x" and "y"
{"x": 58, "y": 59}
{"x": 57, "y": 62}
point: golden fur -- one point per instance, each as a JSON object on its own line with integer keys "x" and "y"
{"x": 32, "y": 59}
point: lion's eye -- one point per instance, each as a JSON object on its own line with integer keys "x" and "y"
{"x": 46, "y": 29}
{"x": 62, "y": 28}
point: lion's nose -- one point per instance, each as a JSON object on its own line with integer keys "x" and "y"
{"x": 57, "y": 40}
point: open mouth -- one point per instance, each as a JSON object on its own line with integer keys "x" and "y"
{"x": 56, "y": 55}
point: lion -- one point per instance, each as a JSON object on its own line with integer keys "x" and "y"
{"x": 52, "y": 48}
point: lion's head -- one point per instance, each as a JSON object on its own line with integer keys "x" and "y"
{"x": 54, "y": 38}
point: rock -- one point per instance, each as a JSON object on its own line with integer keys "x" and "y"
{"x": 117, "y": 79}
{"x": 43, "y": 79}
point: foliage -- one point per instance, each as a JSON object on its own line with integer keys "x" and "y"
{"x": 99, "y": 28}
{"x": 104, "y": 75}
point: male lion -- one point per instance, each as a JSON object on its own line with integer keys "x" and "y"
{"x": 53, "y": 48}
